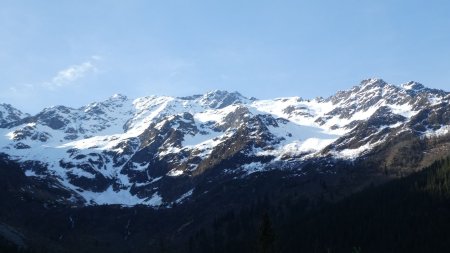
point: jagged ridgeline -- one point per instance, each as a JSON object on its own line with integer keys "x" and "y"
{"x": 156, "y": 150}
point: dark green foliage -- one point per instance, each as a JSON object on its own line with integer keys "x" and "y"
{"x": 406, "y": 215}
{"x": 411, "y": 214}
{"x": 438, "y": 183}
{"x": 266, "y": 235}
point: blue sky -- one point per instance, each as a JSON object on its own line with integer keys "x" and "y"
{"x": 75, "y": 52}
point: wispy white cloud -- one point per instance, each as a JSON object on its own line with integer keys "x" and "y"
{"x": 72, "y": 73}
{"x": 28, "y": 95}
{"x": 62, "y": 78}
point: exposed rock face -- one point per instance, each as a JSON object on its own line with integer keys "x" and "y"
{"x": 155, "y": 150}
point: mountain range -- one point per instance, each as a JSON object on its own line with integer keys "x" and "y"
{"x": 203, "y": 152}
{"x": 151, "y": 150}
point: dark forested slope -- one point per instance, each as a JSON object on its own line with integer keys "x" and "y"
{"x": 410, "y": 214}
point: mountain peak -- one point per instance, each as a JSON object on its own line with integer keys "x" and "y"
{"x": 118, "y": 96}
{"x": 371, "y": 82}
{"x": 221, "y": 93}
{"x": 413, "y": 86}
{"x": 220, "y": 98}
{"x": 10, "y": 114}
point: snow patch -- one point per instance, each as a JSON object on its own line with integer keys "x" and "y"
{"x": 121, "y": 197}
{"x": 175, "y": 173}
{"x": 404, "y": 110}
{"x": 184, "y": 196}
{"x": 252, "y": 167}
{"x": 444, "y": 130}
{"x": 30, "y": 173}
{"x": 155, "y": 200}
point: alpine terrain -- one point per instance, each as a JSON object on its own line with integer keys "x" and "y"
{"x": 197, "y": 173}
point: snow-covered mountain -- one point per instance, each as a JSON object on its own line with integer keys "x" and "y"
{"x": 154, "y": 150}
{"x": 9, "y": 114}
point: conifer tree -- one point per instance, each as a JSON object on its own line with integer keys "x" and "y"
{"x": 266, "y": 235}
